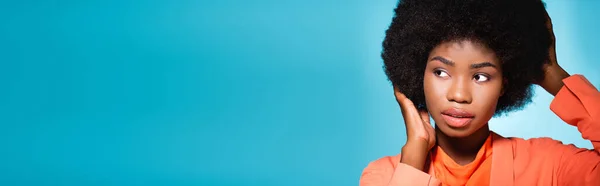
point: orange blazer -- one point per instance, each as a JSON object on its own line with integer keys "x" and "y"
{"x": 515, "y": 161}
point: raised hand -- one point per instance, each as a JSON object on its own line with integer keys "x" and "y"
{"x": 420, "y": 134}
{"x": 553, "y": 73}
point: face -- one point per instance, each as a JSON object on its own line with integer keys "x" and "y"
{"x": 462, "y": 83}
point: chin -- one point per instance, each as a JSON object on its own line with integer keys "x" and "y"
{"x": 456, "y": 132}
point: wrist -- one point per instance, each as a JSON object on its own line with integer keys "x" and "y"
{"x": 414, "y": 154}
{"x": 553, "y": 79}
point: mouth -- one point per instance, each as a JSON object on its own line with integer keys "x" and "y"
{"x": 457, "y": 118}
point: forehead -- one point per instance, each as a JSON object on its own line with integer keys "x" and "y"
{"x": 464, "y": 51}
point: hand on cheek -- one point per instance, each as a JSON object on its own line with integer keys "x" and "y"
{"x": 420, "y": 134}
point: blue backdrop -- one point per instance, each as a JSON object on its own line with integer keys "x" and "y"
{"x": 227, "y": 92}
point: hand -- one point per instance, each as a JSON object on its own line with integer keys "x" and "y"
{"x": 553, "y": 73}
{"x": 420, "y": 133}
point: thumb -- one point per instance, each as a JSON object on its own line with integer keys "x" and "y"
{"x": 425, "y": 116}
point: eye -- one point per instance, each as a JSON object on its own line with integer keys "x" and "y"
{"x": 440, "y": 73}
{"x": 481, "y": 78}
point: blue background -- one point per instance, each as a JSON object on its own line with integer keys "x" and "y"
{"x": 220, "y": 93}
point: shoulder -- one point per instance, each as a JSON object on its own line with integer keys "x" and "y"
{"x": 536, "y": 143}
{"x": 382, "y": 167}
{"x": 521, "y": 144}
{"x": 539, "y": 148}
{"x": 533, "y": 147}
{"x": 386, "y": 162}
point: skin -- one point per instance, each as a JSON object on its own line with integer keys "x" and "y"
{"x": 450, "y": 81}
{"x": 475, "y": 90}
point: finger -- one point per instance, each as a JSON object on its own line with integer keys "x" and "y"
{"x": 548, "y": 21}
{"x": 424, "y": 116}
{"x": 549, "y": 25}
{"x": 431, "y": 132}
{"x": 409, "y": 111}
{"x": 399, "y": 96}
{"x": 405, "y": 103}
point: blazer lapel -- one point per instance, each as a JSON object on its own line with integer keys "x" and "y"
{"x": 502, "y": 173}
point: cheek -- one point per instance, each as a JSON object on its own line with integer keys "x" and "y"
{"x": 487, "y": 98}
{"x": 434, "y": 89}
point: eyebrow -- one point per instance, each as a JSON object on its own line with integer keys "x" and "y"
{"x": 473, "y": 66}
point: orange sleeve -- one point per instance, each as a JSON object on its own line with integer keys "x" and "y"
{"x": 578, "y": 103}
{"x": 387, "y": 172}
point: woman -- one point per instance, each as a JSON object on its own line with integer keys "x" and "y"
{"x": 462, "y": 62}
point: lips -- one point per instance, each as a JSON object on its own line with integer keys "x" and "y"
{"x": 457, "y": 117}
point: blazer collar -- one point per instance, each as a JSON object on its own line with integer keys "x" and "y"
{"x": 502, "y": 173}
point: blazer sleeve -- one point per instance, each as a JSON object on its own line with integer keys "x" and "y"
{"x": 578, "y": 104}
{"x": 388, "y": 171}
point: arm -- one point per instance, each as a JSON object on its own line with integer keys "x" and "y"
{"x": 578, "y": 103}
{"x": 407, "y": 168}
{"x": 388, "y": 172}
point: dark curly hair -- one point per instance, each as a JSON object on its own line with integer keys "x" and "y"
{"x": 514, "y": 29}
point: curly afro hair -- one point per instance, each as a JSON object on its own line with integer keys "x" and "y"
{"x": 514, "y": 29}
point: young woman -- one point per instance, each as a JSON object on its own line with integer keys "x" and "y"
{"x": 462, "y": 62}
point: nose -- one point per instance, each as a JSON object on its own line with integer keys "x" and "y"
{"x": 460, "y": 91}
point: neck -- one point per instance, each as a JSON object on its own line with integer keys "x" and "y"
{"x": 462, "y": 150}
